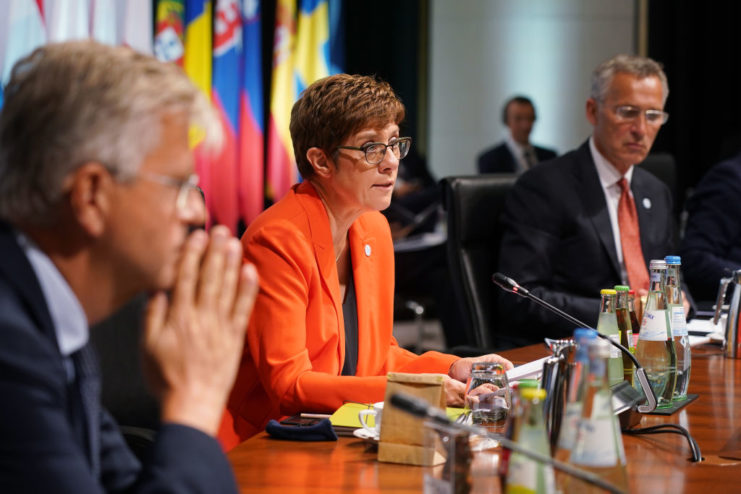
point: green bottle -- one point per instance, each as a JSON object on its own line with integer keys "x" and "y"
{"x": 607, "y": 325}
{"x": 626, "y": 328}
{"x": 524, "y": 475}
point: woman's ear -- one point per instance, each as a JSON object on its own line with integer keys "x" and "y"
{"x": 322, "y": 165}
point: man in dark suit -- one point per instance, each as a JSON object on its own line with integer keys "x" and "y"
{"x": 97, "y": 198}
{"x": 590, "y": 219}
{"x": 711, "y": 248}
{"x": 516, "y": 154}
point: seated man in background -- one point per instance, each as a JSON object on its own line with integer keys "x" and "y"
{"x": 322, "y": 330}
{"x": 590, "y": 219}
{"x": 711, "y": 247}
{"x": 516, "y": 154}
{"x": 97, "y": 196}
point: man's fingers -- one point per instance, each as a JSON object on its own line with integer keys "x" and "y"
{"x": 248, "y": 287}
{"x": 154, "y": 318}
{"x": 212, "y": 268}
{"x": 187, "y": 278}
{"x": 232, "y": 264}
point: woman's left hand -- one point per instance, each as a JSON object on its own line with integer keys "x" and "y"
{"x": 461, "y": 368}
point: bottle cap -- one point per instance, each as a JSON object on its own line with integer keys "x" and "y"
{"x": 607, "y": 291}
{"x": 657, "y": 264}
{"x": 622, "y": 288}
{"x": 631, "y": 292}
{"x": 673, "y": 260}
{"x": 533, "y": 393}
{"x": 528, "y": 383}
{"x": 584, "y": 334}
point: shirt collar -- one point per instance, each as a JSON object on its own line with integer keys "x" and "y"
{"x": 70, "y": 322}
{"x": 515, "y": 147}
{"x": 608, "y": 174}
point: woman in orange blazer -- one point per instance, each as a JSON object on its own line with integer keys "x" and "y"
{"x": 321, "y": 329}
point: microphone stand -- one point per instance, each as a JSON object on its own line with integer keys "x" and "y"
{"x": 509, "y": 285}
{"x": 420, "y": 408}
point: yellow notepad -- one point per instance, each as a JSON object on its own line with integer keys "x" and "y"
{"x": 347, "y": 414}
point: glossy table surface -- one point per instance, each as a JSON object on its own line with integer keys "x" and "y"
{"x": 656, "y": 463}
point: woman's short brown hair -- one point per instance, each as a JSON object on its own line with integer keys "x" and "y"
{"x": 334, "y": 108}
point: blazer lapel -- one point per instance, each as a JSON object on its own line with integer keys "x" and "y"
{"x": 18, "y": 271}
{"x": 321, "y": 237}
{"x": 595, "y": 204}
{"x": 364, "y": 255}
{"x": 645, "y": 209}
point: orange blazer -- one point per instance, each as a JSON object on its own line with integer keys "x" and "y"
{"x": 295, "y": 345}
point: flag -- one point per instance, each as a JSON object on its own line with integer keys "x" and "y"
{"x": 312, "y": 42}
{"x": 67, "y": 19}
{"x": 169, "y": 31}
{"x": 227, "y": 56}
{"x": 281, "y": 164}
{"x": 136, "y": 25}
{"x": 197, "y": 64}
{"x": 251, "y": 126}
{"x": 25, "y": 32}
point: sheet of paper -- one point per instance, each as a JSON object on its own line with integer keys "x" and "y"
{"x": 531, "y": 370}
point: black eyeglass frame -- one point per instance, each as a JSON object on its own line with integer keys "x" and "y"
{"x": 369, "y": 145}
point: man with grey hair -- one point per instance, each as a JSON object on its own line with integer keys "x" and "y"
{"x": 590, "y": 219}
{"x": 97, "y": 198}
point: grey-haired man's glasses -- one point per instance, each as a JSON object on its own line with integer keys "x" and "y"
{"x": 376, "y": 151}
{"x": 185, "y": 187}
{"x": 630, "y": 113}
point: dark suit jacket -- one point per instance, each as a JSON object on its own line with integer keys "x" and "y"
{"x": 46, "y": 423}
{"x": 558, "y": 242}
{"x": 712, "y": 241}
{"x": 499, "y": 159}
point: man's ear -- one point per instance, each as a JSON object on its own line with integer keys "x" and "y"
{"x": 319, "y": 162}
{"x": 90, "y": 188}
{"x": 592, "y": 111}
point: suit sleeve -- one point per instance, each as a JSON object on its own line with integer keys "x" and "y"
{"x": 278, "y": 332}
{"x": 39, "y": 451}
{"x": 535, "y": 240}
{"x": 711, "y": 243}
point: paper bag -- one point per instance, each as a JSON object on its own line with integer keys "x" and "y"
{"x": 402, "y": 435}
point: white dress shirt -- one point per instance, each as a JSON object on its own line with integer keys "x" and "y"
{"x": 518, "y": 151}
{"x": 609, "y": 178}
{"x": 67, "y": 315}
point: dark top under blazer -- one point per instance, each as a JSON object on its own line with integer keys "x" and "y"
{"x": 558, "y": 242}
{"x": 43, "y": 425}
{"x": 499, "y": 159}
{"x": 712, "y": 242}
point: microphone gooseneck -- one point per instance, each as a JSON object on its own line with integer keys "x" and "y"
{"x": 509, "y": 285}
{"x": 420, "y": 408}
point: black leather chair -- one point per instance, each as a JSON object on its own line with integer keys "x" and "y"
{"x": 474, "y": 205}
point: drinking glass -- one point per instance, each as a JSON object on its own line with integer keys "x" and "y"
{"x": 488, "y": 398}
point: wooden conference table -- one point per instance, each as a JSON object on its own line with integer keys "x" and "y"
{"x": 656, "y": 463}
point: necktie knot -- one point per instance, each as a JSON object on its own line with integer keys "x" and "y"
{"x": 623, "y": 183}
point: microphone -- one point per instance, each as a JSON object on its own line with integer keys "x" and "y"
{"x": 420, "y": 408}
{"x": 509, "y": 285}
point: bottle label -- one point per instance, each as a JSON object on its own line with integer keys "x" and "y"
{"x": 654, "y": 326}
{"x": 598, "y": 443}
{"x": 570, "y": 422}
{"x": 679, "y": 322}
{"x": 655, "y": 277}
{"x": 522, "y": 474}
{"x": 615, "y": 351}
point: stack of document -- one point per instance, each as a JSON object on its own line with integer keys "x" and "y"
{"x": 703, "y": 331}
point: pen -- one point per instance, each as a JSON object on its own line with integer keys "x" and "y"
{"x": 315, "y": 415}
